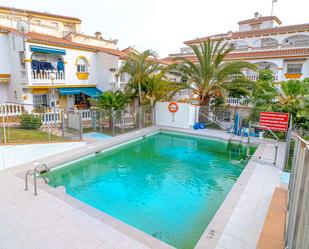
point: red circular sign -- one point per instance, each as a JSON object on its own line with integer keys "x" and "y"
{"x": 173, "y": 107}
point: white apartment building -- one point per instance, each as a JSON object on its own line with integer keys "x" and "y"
{"x": 54, "y": 62}
{"x": 263, "y": 41}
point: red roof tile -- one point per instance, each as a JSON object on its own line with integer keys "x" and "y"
{"x": 27, "y": 12}
{"x": 56, "y": 41}
{"x": 254, "y": 33}
{"x": 279, "y": 53}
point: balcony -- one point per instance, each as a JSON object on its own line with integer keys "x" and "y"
{"x": 117, "y": 85}
{"x": 44, "y": 76}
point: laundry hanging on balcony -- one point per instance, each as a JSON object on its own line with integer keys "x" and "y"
{"x": 92, "y": 92}
{"x": 39, "y": 65}
{"x": 42, "y": 65}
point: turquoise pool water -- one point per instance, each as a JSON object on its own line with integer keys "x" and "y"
{"x": 167, "y": 185}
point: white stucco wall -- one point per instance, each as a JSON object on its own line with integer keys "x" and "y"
{"x": 104, "y": 63}
{"x": 15, "y": 46}
{"x": 183, "y": 118}
{"x": 5, "y": 67}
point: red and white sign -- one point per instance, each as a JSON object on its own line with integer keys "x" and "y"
{"x": 275, "y": 121}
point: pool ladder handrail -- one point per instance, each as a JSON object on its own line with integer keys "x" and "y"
{"x": 36, "y": 171}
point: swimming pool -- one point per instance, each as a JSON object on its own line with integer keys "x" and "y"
{"x": 167, "y": 185}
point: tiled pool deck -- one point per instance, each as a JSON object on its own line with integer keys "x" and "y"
{"x": 55, "y": 220}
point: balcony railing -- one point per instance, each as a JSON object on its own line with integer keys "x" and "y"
{"x": 46, "y": 75}
{"x": 238, "y": 102}
{"x": 252, "y": 76}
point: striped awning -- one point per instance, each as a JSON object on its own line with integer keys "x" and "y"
{"x": 92, "y": 92}
{"x": 47, "y": 50}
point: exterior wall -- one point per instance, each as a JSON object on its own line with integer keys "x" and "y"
{"x": 184, "y": 118}
{"x": 69, "y": 67}
{"x": 105, "y": 62}
{"x": 3, "y": 92}
{"x": 94, "y": 41}
{"x": 15, "y": 89}
{"x": 279, "y": 65}
{"x": 263, "y": 25}
{"x": 5, "y": 67}
{"x": 46, "y": 25}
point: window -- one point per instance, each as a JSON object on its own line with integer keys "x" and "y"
{"x": 78, "y": 99}
{"x": 55, "y": 25}
{"x": 112, "y": 75}
{"x": 41, "y": 100}
{"x": 22, "y": 59}
{"x": 294, "y": 68}
{"x": 255, "y": 26}
{"x": 82, "y": 65}
{"x": 36, "y": 22}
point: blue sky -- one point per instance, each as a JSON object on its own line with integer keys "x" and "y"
{"x": 163, "y": 25}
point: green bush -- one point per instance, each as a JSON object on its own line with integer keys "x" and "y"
{"x": 30, "y": 121}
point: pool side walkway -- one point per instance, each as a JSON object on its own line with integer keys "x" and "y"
{"x": 54, "y": 220}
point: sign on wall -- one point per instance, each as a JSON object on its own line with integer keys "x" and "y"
{"x": 275, "y": 121}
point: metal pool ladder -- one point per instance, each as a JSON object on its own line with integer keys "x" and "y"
{"x": 38, "y": 170}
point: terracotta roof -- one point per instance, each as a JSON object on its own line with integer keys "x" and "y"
{"x": 278, "y": 53}
{"x": 254, "y": 33}
{"x": 260, "y": 19}
{"x": 55, "y": 41}
{"x": 31, "y": 12}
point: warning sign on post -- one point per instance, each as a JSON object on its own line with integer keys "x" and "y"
{"x": 275, "y": 121}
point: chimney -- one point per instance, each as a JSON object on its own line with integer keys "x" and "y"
{"x": 256, "y": 15}
{"x": 98, "y": 35}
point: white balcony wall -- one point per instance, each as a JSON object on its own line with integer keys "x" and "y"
{"x": 69, "y": 76}
{"x": 105, "y": 62}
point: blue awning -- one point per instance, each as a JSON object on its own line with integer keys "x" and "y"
{"x": 92, "y": 92}
{"x": 47, "y": 50}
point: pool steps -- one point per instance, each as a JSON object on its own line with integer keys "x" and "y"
{"x": 39, "y": 169}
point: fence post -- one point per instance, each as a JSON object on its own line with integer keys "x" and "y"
{"x": 100, "y": 120}
{"x": 122, "y": 121}
{"x": 80, "y": 125}
{"x": 113, "y": 123}
{"x": 140, "y": 125}
{"x": 3, "y": 121}
{"x": 62, "y": 122}
{"x": 8, "y": 126}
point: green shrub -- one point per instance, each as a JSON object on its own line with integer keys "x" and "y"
{"x": 30, "y": 121}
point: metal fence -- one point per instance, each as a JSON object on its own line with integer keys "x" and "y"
{"x": 222, "y": 117}
{"x": 113, "y": 123}
{"x": 297, "y": 229}
{"x": 20, "y": 123}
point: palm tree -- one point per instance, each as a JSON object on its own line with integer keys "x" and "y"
{"x": 158, "y": 88}
{"x": 111, "y": 102}
{"x": 292, "y": 97}
{"x": 209, "y": 77}
{"x": 139, "y": 66}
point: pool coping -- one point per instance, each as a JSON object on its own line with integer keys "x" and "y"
{"x": 208, "y": 239}
{"x": 215, "y": 228}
